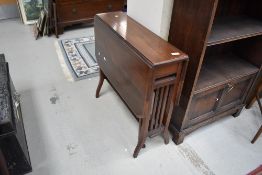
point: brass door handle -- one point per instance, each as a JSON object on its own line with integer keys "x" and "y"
{"x": 231, "y": 87}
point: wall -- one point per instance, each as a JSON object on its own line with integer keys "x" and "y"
{"x": 8, "y": 9}
{"x": 7, "y": 2}
{"x": 153, "y": 14}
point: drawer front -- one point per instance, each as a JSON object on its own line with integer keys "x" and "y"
{"x": 204, "y": 104}
{"x": 73, "y": 12}
{"x": 68, "y": 2}
{"x": 84, "y": 9}
{"x": 166, "y": 70}
{"x": 235, "y": 93}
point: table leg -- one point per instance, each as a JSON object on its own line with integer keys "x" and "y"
{"x": 55, "y": 20}
{"x": 259, "y": 132}
{"x": 101, "y": 81}
{"x": 257, "y": 135}
{"x": 143, "y": 132}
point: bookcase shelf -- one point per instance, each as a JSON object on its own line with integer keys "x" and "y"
{"x": 227, "y": 29}
{"x": 221, "y": 69}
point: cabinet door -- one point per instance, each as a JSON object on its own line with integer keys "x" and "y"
{"x": 204, "y": 104}
{"x": 235, "y": 93}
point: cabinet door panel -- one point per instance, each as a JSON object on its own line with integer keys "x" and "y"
{"x": 235, "y": 92}
{"x": 205, "y": 103}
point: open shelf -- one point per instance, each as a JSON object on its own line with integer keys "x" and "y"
{"x": 221, "y": 69}
{"x": 227, "y": 29}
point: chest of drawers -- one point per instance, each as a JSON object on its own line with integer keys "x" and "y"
{"x": 68, "y": 12}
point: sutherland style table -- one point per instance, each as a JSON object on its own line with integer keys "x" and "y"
{"x": 146, "y": 71}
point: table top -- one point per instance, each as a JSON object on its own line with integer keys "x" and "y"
{"x": 156, "y": 50}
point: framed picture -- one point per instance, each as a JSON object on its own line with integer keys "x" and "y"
{"x": 30, "y": 10}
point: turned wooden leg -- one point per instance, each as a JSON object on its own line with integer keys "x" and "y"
{"x": 60, "y": 30}
{"x": 257, "y": 135}
{"x": 259, "y": 132}
{"x": 101, "y": 81}
{"x": 140, "y": 145}
{"x": 143, "y": 131}
{"x": 253, "y": 97}
{"x": 3, "y": 166}
{"x": 55, "y": 20}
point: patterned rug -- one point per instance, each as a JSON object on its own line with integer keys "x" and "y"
{"x": 77, "y": 58}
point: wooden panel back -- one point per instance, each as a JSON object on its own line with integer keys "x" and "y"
{"x": 254, "y": 8}
{"x": 239, "y": 8}
{"x": 231, "y": 7}
{"x": 251, "y": 50}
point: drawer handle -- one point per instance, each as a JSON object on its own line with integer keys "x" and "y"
{"x": 74, "y": 10}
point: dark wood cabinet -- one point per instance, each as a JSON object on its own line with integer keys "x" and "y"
{"x": 68, "y": 12}
{"x": 146, "y": 71}
{"x": 223, "y": 40}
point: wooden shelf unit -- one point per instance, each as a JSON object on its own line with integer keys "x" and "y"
{"x": 223, "y": 39}
{"x": 227, "y": 29}
{"x": 222, "y": 69}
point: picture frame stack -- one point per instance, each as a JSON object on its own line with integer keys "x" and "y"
{"x": 30, "y": 10}
{"x": 40, "y": 27}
